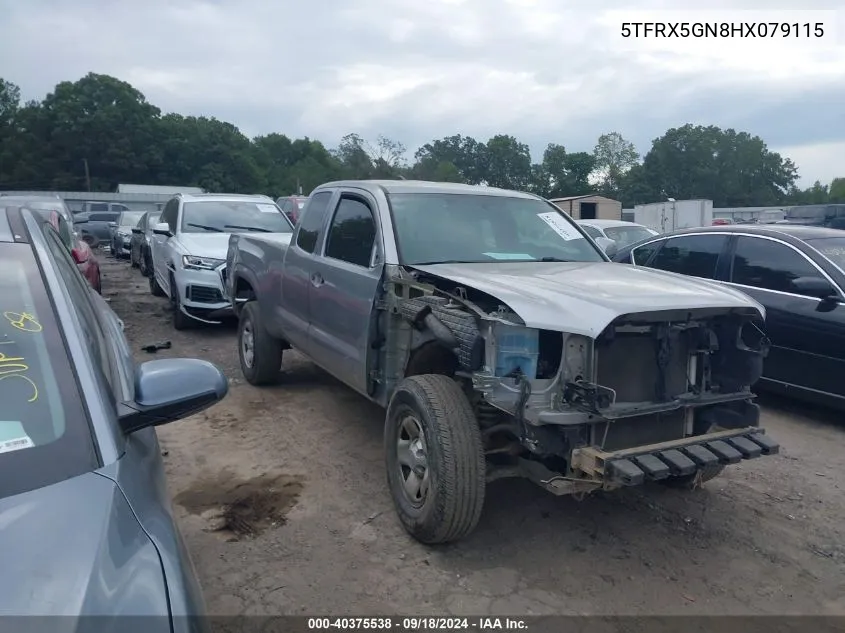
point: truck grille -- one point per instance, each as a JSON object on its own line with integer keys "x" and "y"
{"x": 204, "y": 294}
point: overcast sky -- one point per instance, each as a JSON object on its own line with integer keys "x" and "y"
{"x": 418, "y": 70}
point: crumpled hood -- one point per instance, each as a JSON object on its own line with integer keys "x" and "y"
{"x": 585, "y": 297}
{"x": 75, "y": 548}
{"x": 205, "y": 244}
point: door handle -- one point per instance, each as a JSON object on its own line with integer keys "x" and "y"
{"x": 317, "y": 280}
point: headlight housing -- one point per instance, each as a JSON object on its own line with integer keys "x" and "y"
{"x": 192, "y": 262}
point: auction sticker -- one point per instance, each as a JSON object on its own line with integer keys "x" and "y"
{"x": 7, "y": 446}
{"x": 560, "y": 225}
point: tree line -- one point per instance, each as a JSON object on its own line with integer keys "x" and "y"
{"x": 100, "y": 131}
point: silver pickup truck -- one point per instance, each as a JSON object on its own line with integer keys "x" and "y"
{"x": 502, "y": 343}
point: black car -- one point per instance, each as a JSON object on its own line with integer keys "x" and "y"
{"x": 796, "y": 272}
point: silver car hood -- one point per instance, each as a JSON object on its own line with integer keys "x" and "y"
{"x": 75, "y": 548}
{"x": 584, "y": 298}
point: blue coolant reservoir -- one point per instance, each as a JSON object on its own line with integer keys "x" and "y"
{"x": 517, "y": 347}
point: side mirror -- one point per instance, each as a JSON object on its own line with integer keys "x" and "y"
{"x": 79, "y": 256}
{"x": 170, "y": 389}
{"x": 814, "y": 287}
{"x": 162, "y": 228}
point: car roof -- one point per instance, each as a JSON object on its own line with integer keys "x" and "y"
{"x": 7, "y": 234}
{"x": 221, "y": 197}
{"x": 425, "y": 186}
{"x": 796, "y": 231}
{"x": 608, "y": 223}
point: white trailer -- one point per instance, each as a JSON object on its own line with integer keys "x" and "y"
{"x": 672, "y": 215}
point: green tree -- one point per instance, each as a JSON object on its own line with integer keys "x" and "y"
{"x": 614, "y": 156}
{"x": 837, "y": 190}
{"x": 101, "y": 120}
{"x": 10, "y": 99}
{"x": 464, "y": 153}
{"x": 354, "y": 159}
{"x": 731, "y": 168}
{"x": 507, "y": 163}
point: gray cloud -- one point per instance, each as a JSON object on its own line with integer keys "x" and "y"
{"x": 536, "y": 69}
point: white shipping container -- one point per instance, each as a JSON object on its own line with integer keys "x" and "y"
{"x": 664, "y": 217}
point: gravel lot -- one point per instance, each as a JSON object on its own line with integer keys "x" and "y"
{"x": 280, "y": 493}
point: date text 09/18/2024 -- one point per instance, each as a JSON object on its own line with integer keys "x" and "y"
{"x": 410, "y": 624}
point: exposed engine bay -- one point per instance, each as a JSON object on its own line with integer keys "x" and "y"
{"x": 577, "y": 413}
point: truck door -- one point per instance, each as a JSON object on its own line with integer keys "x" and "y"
{"x": 344, "y": 292}
{"x": 299, "y": 272}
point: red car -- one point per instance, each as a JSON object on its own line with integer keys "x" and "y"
{"x": 292, "y": 206}
{"x": 56, "y": 211}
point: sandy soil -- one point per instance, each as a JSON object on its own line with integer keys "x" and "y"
{"x": 280, "y": 493}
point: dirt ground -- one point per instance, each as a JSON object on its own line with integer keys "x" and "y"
{"x": 280, "y": 493}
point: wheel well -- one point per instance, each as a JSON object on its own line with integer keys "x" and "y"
{"x": 243, "y": 289}
{"x": 431, "y": 358}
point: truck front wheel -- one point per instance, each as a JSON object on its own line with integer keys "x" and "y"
{"x": 259, "y": 352}
{"x": 436, "y": 470}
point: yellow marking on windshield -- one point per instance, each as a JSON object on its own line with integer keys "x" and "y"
{"x": 23, "y": 321}
{"x": 16, "y": 367}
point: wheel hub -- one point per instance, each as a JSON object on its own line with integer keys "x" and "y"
{"x": 412, "y": 460}
{"x": 248, "y": 345}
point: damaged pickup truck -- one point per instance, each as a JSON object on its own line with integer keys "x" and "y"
{"x": 502, "y": 343}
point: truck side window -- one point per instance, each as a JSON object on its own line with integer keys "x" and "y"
{"x": 352, "y": 233}
{"x": 312, "y": 221}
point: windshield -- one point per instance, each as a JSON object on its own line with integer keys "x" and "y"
{"x": 129, "y": 218}
{"x": 624, "y": 235}
{"x": 44, "y": 434}
{"x": 445, "y": 227}
{"x": 813, "y": 212}
{"x": 152, "y": 218}
{"x": 831, "y": 247}
{"x": 234, "y": 216}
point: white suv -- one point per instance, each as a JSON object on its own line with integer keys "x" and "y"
{"x": 189, "y": 246}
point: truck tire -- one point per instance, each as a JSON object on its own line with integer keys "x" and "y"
{"x": 690, "y": 482}
{"x": 431, "y": 422}
{"x": 181, "y": 321}
{"x": 259, "y": 352}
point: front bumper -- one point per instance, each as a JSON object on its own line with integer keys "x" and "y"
{"x": 634, "y": 466}
{"x": 202, "y": 294}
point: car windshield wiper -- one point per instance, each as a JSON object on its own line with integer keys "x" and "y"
{"x": 246, "y": 228}
{"x": 449, "y": 261}
{"x": 555, "y": 259}
{"x": 207, "y": 228}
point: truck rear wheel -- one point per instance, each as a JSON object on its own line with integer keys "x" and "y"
{"x": 436, "y": 469}
{"x": 259, "y": 352}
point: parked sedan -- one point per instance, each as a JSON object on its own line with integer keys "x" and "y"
{"x": 57, "y": 212}
{"x": 620, "y": 231}
{"x": 95, "y": 227}
{"x": 139, "y": 244}
{"x": 121, "y": 233}
{"x": 796, "y": 272}
{"x": 87, "y": 522}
